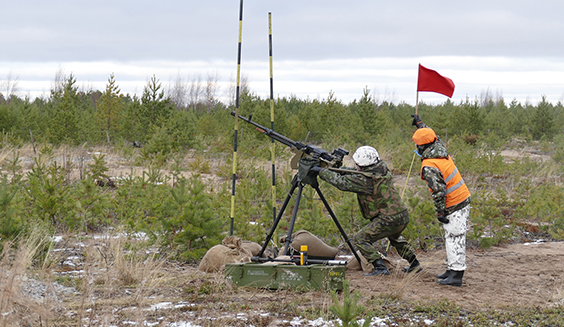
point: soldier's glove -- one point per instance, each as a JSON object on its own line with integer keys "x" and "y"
{"x": 305, "y": 165}
{"x": 442, "y": 218}
{"x": 315, "y": 169}
{"x": 416, "y": 121}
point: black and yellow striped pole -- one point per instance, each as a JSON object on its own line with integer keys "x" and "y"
{"x": 232, "y": 214}
{"x": 272, "y": 145}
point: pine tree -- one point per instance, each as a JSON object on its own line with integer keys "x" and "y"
{"x": 63, "y": 125}
{"x": 472, "y": 116}
{"x": 155, "y": 108}
{"x": 366, "y": 110}
{"x": 110, "y": 108}
{"x": 517, "y": 120}
{"x": 542, "y": 122}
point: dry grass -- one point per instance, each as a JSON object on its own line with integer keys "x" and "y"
{"x": 557, "y": 295}
{"x": 116, "y": 276}
{"x": 17, "y": 307}
{"x": 200, "y": 164}
{"x": 120, "y": 281}
{"x": 400, "y": 280}
{"x": 111, "y": 275}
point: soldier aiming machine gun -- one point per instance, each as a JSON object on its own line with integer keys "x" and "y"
{"x": 328, "y": 160}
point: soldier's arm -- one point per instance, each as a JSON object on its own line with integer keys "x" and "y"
{"x": 347, "y": 182}
{"x": 437, "y": 184}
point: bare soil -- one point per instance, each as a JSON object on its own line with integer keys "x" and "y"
{"x": 516, "y": 275}
{"x": 525, "y": 275}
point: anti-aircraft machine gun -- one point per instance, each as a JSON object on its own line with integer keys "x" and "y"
{"x": 328, "y": 160}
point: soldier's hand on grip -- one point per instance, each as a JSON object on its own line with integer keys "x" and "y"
{"x": 315, "y": 169}
{"x": 305, "y": 172}
{"x": 441, "y": 217}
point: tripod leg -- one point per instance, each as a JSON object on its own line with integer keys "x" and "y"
{"x": 282, "y": 209}
{"x": 293, "y": 221}
{"x": 337, "y": 223}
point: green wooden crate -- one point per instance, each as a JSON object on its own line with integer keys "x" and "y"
{"x": 269, "y": 276}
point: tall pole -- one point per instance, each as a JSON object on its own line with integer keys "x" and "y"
{"x": 417, "y": 93}
{"x": 232, "y": 214}
{"x": 416, "y": 102}
{"x": 272, "y": 145}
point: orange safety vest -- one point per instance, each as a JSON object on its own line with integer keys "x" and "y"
{"x": 456, "y": 189}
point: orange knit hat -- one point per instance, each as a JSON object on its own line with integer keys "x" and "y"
{"x": 423, "y": 136}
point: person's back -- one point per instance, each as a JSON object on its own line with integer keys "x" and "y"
{"x": 451, "y": 198}
{"x": 379, "y": 202}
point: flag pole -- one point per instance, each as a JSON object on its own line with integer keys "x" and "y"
{"x": 417, "y": 92}
{"x": 272, "y": 145}
{"x": 416, "y": 101}
{"x": 234, "y": 179}
{"x": 413, "y": 159}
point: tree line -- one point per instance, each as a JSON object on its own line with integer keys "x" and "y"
{"x": 189, "y": 110}
{"x": 190, "y": 117}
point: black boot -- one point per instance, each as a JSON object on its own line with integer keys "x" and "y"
{"x": 413, "y": 266}
{"x": 454, "y": 278}
{"x": 444, "y": 275}
{"x": 379, "y": 268}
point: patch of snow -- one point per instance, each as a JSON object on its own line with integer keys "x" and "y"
{"x": 539, "y": 241}
{"x": 183, "y": 324}
{"x": 168, "y": 305}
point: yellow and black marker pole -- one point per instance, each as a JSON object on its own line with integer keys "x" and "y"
{"x": 272, "y": 145}
{"x": 232, "y": 214}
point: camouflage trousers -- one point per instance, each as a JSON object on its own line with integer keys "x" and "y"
{"x": 455, "y": 238}
{"x": 377, "y": 229}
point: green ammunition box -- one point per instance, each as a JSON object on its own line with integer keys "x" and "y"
{"x": 260, "y": 275}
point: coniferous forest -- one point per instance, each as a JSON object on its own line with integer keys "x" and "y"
{"x": 513, "y": 198}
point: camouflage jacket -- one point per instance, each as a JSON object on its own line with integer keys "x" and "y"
{"x": 375, "y": 191}
{"x": 434, "y": 178}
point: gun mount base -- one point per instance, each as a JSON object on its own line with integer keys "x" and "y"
{"x": 296, "y": 183}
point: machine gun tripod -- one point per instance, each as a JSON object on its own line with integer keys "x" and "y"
{"x": 297, "y": 183}
{"x": 328, "y": 160}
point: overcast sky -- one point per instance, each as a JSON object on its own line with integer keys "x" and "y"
{"x": 508, "y": 48}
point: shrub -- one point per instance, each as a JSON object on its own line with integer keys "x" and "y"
{"x": 187, "y": 220}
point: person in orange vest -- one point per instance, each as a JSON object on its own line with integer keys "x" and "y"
{"x": 450, "y": 196}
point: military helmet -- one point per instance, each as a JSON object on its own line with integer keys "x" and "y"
{"x": 366, "y": 156}
{"x": 424, "y": 136}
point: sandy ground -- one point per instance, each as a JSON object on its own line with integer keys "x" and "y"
{"x": 523, "y": 275}
{"x": 515, "y": 276}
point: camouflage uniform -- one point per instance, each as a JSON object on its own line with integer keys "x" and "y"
{"x": 434, "y": 178}
{"x": 456, "y": 229}
{"x": 380, "y": 203}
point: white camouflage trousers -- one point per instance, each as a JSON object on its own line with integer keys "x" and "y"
{"x": 455, "y": 238}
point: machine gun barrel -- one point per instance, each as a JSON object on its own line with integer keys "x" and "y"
{"x": 267, "y": 131}
{"x": 334, "y": 159}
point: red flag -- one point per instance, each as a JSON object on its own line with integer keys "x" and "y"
{"x": 431, "y": 81}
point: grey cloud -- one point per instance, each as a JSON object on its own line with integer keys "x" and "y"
{"x": 63, "y": 32}
{"x": 307, "y": 30}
